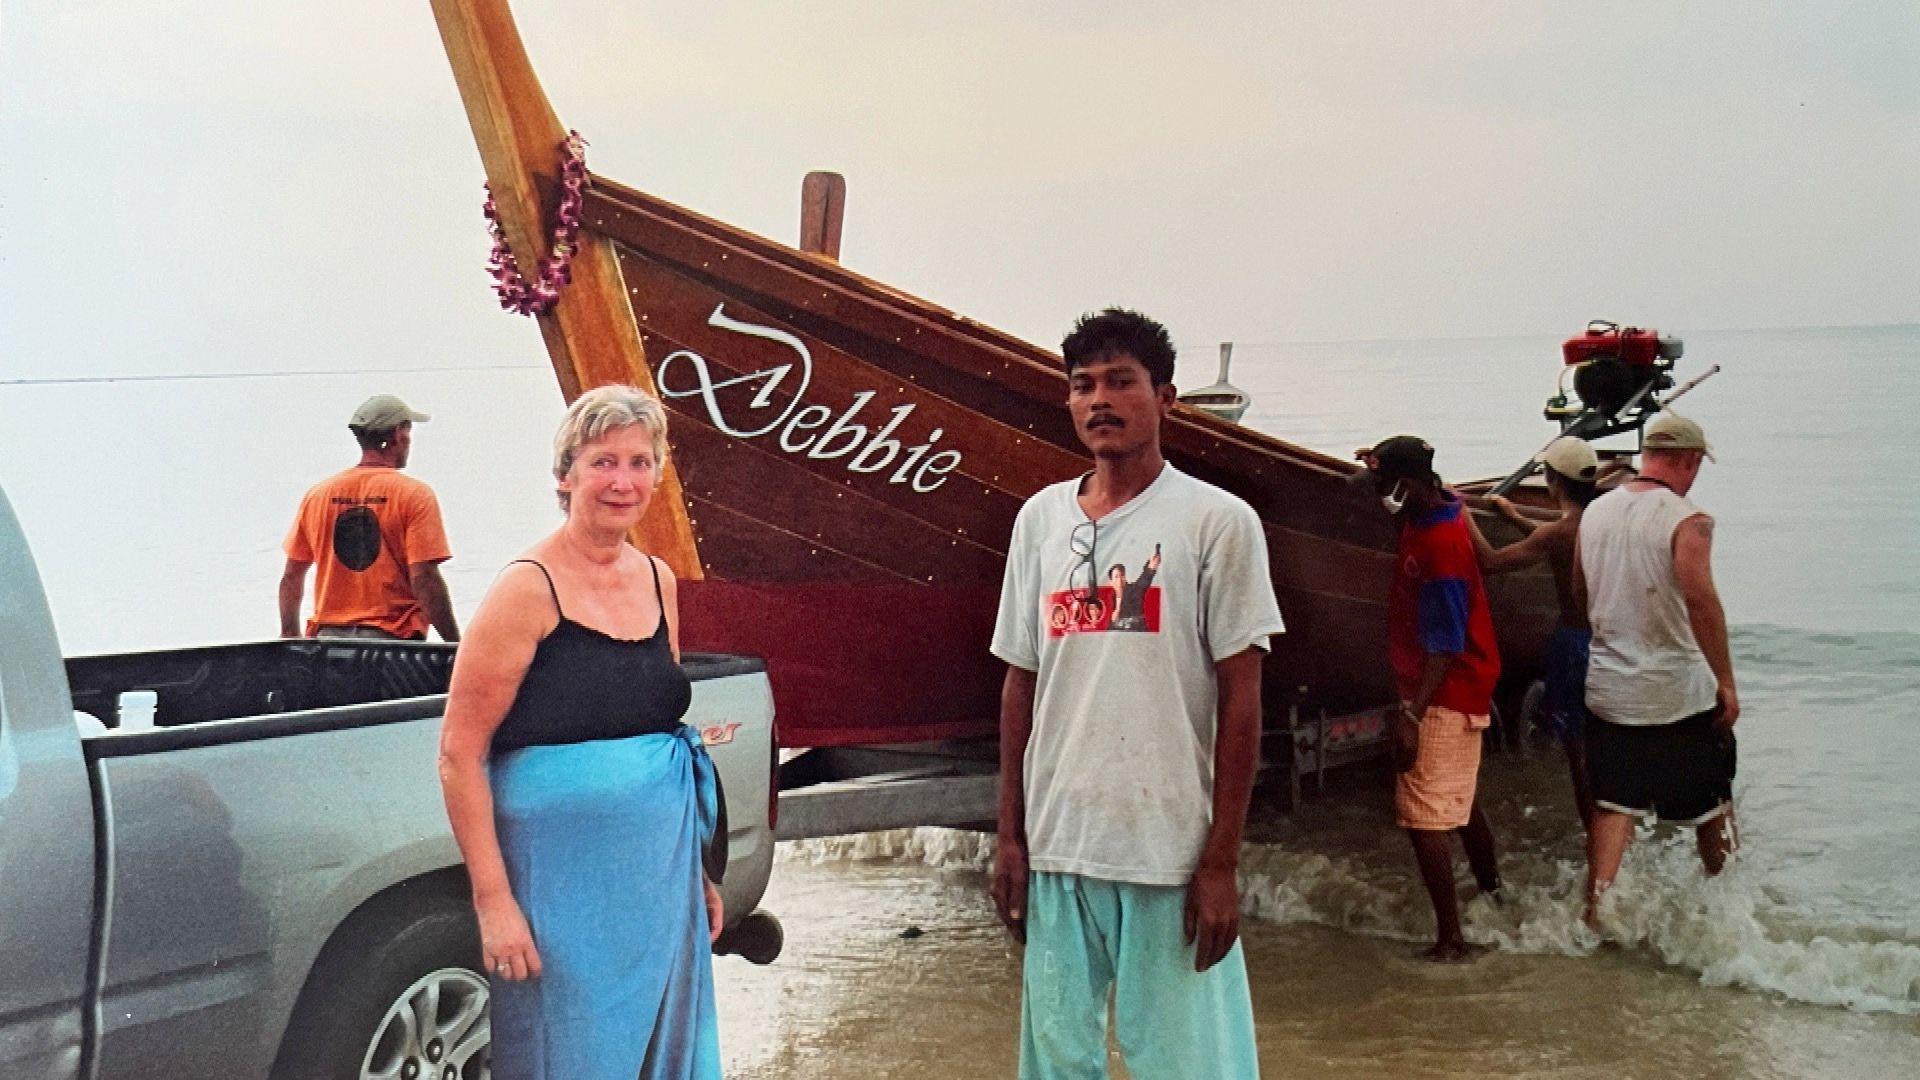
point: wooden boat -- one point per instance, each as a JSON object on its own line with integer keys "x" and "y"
{"x": 1220, "y": 398}
{"x": 847, "y": 459}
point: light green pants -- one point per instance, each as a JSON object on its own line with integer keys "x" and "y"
{"x": 1088, "y": 938}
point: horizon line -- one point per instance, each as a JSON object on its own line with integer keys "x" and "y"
{"x": 198, "y": 376}
{"x": 1509, "y": 336}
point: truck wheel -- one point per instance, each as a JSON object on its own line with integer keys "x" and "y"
{"x": 403, "y": 1001}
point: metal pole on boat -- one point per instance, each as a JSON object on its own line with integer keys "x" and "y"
{"x": 590, "y": 334}
{"x": 1690, "y": 384}
{"x": 1514, "y": 478}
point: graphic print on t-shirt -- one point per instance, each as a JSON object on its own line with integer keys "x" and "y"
{"x": 356, "y": 533}
{"x": 1119, "y": 606}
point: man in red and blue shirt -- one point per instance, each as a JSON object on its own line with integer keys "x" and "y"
{"x": 1445, "y": 663}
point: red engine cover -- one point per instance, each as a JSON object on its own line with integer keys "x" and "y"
{"x": 1630, "y": 343}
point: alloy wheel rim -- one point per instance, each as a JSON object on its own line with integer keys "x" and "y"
{"x": 437, "y": 1029}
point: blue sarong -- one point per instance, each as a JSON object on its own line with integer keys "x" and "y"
{"x": 602, "y": 843}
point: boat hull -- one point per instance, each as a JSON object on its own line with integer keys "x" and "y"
{"x": 852, "y": 459}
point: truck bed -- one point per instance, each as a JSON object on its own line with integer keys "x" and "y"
{"x": 227, "y": 682}
{"x": 294, "y": 685}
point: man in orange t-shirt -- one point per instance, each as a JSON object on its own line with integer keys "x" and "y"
{"x": 377, "y": 539}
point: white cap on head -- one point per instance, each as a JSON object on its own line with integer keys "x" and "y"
{"x": 1671, "y": 431}
{"x": 1572, "y": 457}
{"x": 384, "y": 412}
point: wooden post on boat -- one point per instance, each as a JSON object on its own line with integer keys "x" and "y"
{"x": 823, "y": 208}
{"x": 590, "y": 334}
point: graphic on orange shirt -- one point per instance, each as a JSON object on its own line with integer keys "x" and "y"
{"x": 356, "y": 531}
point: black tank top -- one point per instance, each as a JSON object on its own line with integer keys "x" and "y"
{"x": 584, "y": 684}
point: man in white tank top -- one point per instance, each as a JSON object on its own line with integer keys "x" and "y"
{"x": 1660, "y": 677}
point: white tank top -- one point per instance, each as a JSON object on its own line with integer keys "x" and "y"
{"x": 1646, "y": 667}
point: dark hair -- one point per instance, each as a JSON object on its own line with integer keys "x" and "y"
{"x": 370, "y": 439}
{"x": 1119, "y": 332}
{"x": 1581, "y": 492}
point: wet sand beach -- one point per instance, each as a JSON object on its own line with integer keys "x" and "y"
{"x": 895, "y": 967}
{"x": 852, "y": 997}
{"x": 1803, "y": 960}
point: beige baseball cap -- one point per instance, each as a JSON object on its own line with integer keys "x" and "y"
{"x": 384, "y": 412}
{"x": 1571, "y": 456}
{"x": 1671, "y": 431}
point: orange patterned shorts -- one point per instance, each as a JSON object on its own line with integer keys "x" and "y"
{"x": 1437, "y": 793}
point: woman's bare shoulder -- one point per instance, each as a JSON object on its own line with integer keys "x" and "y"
{"x": 523, "y": 592}
{"x": 651, "y": 565}
{"x": 519, "y": 579}
{"x": 665, "y": 568}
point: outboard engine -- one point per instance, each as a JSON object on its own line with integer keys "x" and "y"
{"x": 1616, "y": 373}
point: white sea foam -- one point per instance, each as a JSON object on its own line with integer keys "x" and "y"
{"x": 1725, "y": 929}
{"x": 940, "y": 848}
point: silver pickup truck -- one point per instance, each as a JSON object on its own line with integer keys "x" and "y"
{"x": 234, "y": 861}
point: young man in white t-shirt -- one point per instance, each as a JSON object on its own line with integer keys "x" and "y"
{"x": 1129, "y": 735}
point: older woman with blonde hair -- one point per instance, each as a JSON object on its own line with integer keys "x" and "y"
{"x": 580, "y": 800}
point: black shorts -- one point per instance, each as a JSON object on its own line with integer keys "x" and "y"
{"x": 1681, "y": 771}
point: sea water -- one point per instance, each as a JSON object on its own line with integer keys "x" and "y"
{"x": 156, "y": 511}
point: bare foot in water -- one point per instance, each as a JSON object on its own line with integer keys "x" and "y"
{"x": 1592, "y": 918}
{"x": 1602, "y": 939}
{"x": 1452, "y": 952}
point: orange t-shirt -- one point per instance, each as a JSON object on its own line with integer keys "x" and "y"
{"x": 362, "y": 529}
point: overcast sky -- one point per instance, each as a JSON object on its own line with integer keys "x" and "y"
{"x": 231, "y": 185}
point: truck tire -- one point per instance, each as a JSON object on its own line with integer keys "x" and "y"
{"x": 402, "y": 997}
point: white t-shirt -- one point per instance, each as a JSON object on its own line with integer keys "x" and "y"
{"x": 1645, "y": 667}
{"x": 1119, "y": 768}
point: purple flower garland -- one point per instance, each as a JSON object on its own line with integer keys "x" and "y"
{"x": 537, "y": 297}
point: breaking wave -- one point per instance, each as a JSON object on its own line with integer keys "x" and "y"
{"x": 947, "y": 849}
{"x": 1725, "y": 929}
